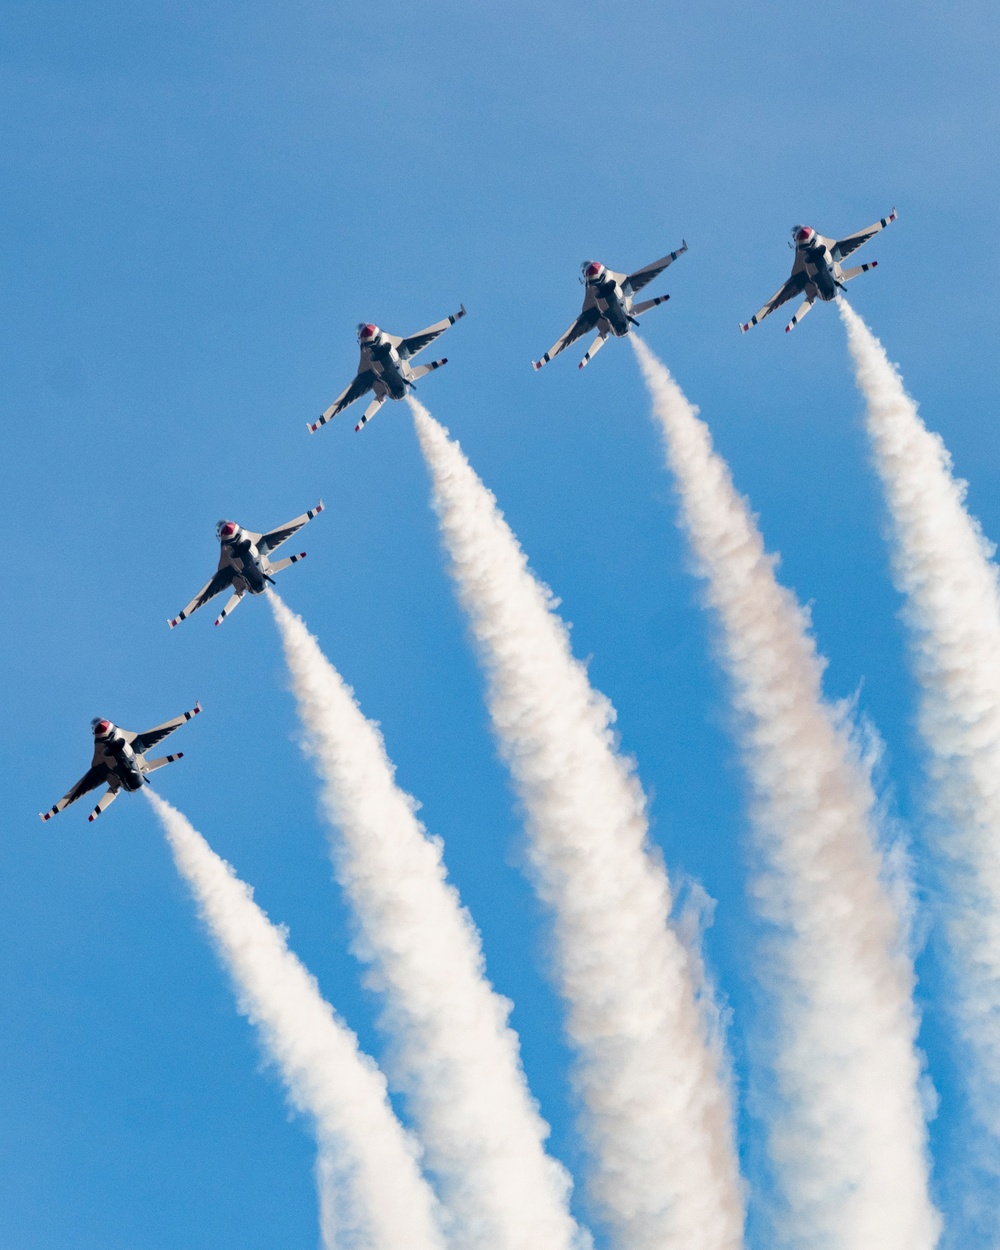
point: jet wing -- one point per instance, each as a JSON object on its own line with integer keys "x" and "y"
{"x": 142, "y": 742}
{"x": 415, "y": 343}
{"x": 360, "y": 386}
{"x": 273, "y": 539}
{"x": 844, "y": 247}
{"x": 216, "y": 586}
{"x": 642, "y": 277}
{"x": 95, "y": 776}
{"x": 796, "y": 283}
{"x": 581, "y": 326}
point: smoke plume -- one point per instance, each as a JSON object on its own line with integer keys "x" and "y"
{"x": 373, "y": 1196}
{"x": 453, "y": 1052}
{"x": 847, "y": 1135}
{"x": 944, "y": 567}
{"x": 656, "y": 1114}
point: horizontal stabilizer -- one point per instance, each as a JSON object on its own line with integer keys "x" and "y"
{"x": 152, "y": 765}
{"x": 370, "y": 411}
{"x": 647, "y": 304}
{"x": 283, "y": 564}
{"x": 804, "y": 307}
{"x": 233, "y": 601}
{"x": 848, "y": 274}
{"x": 592, "y": 350}
{"x": 105, "y": 802}
{"x": 422, "y": 371}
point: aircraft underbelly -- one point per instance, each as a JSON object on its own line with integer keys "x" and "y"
{"x": 253, "y": 577}
{"x": 126, "y": 769}
{"x": 392, "y": 379}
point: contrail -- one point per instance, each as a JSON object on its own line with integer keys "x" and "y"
{"x": 373, "y": 1196}
{"x": 943, "y": 566}
{"x": 847, "y": 1136}
{"x": 453, "y": 1052}
{"x": 657, "y": 1118}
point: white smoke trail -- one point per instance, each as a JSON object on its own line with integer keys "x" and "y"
{"x": 657, "y": 1119}
{"x": 373, "y": 1195}
{"x": 943, "y": 565}
{"x": 453, "y": 1052}
{"x": 848, "y": 1137}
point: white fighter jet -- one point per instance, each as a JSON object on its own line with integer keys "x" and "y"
{"x": 385, "y": 367}
{"x": 120, "y": 762}
{"x": 816, "y": 271}
{"x": 607, "y": 304}
{"x": 245, "y": 563}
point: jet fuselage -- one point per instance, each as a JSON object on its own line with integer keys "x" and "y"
{"x": 242, "y": 555}
{"x": 821, "y": 261}
{"x": 613, "y": 306}
{"x": 114, "y": 751}
{"x": 387, "y": 367}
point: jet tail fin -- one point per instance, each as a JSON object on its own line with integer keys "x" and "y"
{"x": 162, "y": 762}
{"x": 647, "y": 304}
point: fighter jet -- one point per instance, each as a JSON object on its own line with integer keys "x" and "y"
{"x": 816, "y": 271}
{"x": 607, "y": 304}
{"x": 245, "y": 563}
{"x": 385, "y": 368}
{"x": 120, "y": 762}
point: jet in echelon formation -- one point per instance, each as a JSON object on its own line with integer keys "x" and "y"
{"x": 608, "y": 306}
{"x": 816, "y": 271}
{"x": 120, "y": 762}
{"x": 385, "y": 367}
{"x": 245, "y": 563}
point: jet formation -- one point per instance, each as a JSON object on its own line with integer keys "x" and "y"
{"x": 385, "y": 369}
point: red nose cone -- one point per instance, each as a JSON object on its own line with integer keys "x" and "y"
{"x": 368, "y": 332}
{"x": 102, "y": 727}
{"x": 804, "y": 234}
{"x": 593, "y": 269}
{"x": 228, "y": 530}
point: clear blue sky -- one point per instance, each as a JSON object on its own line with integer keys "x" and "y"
{"x": 200, "y": 201}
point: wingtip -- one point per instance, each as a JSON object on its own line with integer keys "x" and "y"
{"x": 874, "y": 264}
{"x": 320, "y": 506}
{"x": 196, "y": 709}
{"x": 536, "y": 365}
{"x": 312, "y": 426}
{"x": 173, "y": 622}
{"x": 44, "y": 815}
{"x": 179, "y": 755}
{"x": 788, "y": 327}
{"x": 92, "y": 817}
{"x": 744, "y": 328}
